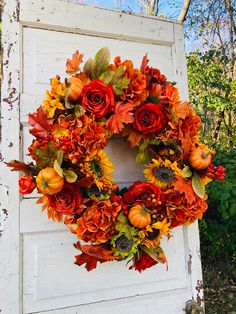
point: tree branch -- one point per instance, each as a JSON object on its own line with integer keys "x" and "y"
{"x": 184, "y": 10}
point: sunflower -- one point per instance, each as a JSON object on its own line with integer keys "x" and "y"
{"x": 100, "y": 168}
{"x": 153, "y": 233}
{"x": 162, "y": 172}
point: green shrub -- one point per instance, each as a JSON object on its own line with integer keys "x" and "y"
{"x": 217, "y": 228}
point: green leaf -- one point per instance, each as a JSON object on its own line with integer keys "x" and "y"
{"x": 88, "y": 68}
{"x": 101, "y": 61}
{"x": 45, "y": 156}
{"x": 198, "y": 186}
{"x": 142, "y": 157}
{"x": 154, "y": 253}
{"x": 58, "y": 168}
{"x": 120, "y": 84}
{"x": 70, "y": 176}
{"x": 107, "y": 77}
{"x": 153, "y": 99}
{"x": 187, "y": 173}
{"x": 79, "y": 110}
{"x": 60, "y": 154}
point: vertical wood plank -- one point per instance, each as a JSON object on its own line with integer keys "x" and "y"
{"x": 10, "y": 131}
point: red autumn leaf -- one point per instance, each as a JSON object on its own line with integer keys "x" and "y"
{"x": 144, "y": 63}
{"x": 91, "y": 255}
{"x": 123, "y": 114}
{"x": 186, "y": 144}
{"x": 86, "y": 182}
{"x": 40, "y": 123}
{"x": 72, "y": 65}
{"x": 19, "y": 166}
{"x": 185, "y": 187}
{"x": 180, "y": 109}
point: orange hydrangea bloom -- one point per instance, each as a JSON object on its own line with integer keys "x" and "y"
{"x": 97, "y": 223}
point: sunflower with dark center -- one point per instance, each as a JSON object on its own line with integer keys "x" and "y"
{"x": 99, "y": 167}
{"x": 124, "y": 244}
{"x": 162, "y": 172}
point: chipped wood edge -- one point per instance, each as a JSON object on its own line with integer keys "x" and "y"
{"x": 10, "y": 273}
{"x": 191, "y": 233}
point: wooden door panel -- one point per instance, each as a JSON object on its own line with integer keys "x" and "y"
{"x": 50, "y": 277}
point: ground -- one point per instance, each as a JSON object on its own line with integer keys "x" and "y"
{"x": 219, "y": 287}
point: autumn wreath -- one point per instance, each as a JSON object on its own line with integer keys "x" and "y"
{"x": 74, "y": 174}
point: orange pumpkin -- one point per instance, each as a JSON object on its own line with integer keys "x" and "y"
{"x": 200, "y": 158}
{"x": 75, "y": 88}
{"x": 139, "y": 217}
{"x": 49, "y": 182}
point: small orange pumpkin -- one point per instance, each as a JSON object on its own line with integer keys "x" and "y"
{"x": 75, "y": 88}
{"x": 200, "y": 158}
{"x": 139, "y": 217}
{"x": 49, "y": 182}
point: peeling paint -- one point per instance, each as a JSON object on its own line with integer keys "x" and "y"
{"x": 190, "y": 264}
{"x": 16, "y": 13}
{"x": 199, "y": 289}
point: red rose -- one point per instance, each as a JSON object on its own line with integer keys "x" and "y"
{"x": 26, "y": 184}
{"x": 146, "y": 193}
{"x": 67, "y": 200}
{"x": 98, "y": 98}
{"x": 149, "y": 118}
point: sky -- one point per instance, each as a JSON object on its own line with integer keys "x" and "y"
{"x": 168, "y": 8}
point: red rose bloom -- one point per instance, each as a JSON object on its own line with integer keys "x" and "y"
{"x": 149, "y": 118}
{"x": 98, "y": 98}
{"x": 145, "y": 193}
{"x": 26, "y": 184}
{"x": 67, "y": 200}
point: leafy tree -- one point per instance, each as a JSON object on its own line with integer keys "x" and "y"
{"x": 212, "y": 92}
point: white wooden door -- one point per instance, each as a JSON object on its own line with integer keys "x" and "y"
{"x": 37, "y": 271}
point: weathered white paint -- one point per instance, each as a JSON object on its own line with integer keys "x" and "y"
{"x": 37, "y": 271}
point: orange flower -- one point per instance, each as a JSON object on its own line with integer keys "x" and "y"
{"x": 136, "y": 91}
{"x": 172, "y": 93}
{"x": 97, "y": 223}
{"x": 53, "y": 97}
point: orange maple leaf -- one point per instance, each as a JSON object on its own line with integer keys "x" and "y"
{"x": 92, "y": 254}
{"x": 134, "y": 138}
{"x": 180, "y": 109}
{"x": 185, "y": 187}
{"x": 123, "y": 114}
{"x": 72, "y": 65}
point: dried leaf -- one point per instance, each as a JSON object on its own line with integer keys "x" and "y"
{"x": 79, "y": 110}
{"x": 70, "y": 176}
{"x": 19, "y": 166}
{"x": 186, "y": 172}
{"x": 40, "y": 123}
{"x": 72, "y": 65}
{"x": 60, "y": 155}
{"x": 58, "y": 168}
{"x": 198, "y": 186}
{"x": 123, "y": 114}
{"x": 182, "y": 186}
